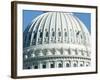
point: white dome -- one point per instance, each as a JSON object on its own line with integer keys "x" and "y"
{"x": 56, "y": 36}
{"x": 56, "y": 27}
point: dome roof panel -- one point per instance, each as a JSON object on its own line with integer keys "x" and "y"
{"x": 53, "y": 20}
{"x": 56, "y": 27}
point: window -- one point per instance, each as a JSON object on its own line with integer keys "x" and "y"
{"x": 60, "y": 65}
{"x": 34, "y": 35}
{"x": 59, "y": 33}
{"x": 81, "y": 65}
{"x": 36, "y": 67}
{"x": 87, "y": 64}
{"x": 67, "y": 65}
{"x": 44, "y": 66}
{"x": 40, "y": 34}
{"x": 53, "y": 34}
{"x": 75, "y": 65}
{"x": 77, "y": 33}
{"x": 46, "y": 34}
{"x": 65, "y": 34}
{"x": 52, "y": 65}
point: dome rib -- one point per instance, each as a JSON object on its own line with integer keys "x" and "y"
{"x": 35, "y": 28}
{"x": 61, "y": 29}
{"x": 81, "y": 28}
{"x": 46, "y": 28}
{"x": 75, "y": 28}
{"x": 68, "y": 31}
{"x": 49, "y": 30}
{"x": 78, "y": 27}
{"x": 86, "y": 34}
{"x": 65, "y": 27}
{"x": 33, "y": 23}
{"x": 55, "y": 27}
{"x": 52, "y": 27}
{"x": 39, "y": 27}
{"x": 58, "y": 26}
{"x": 72, "y": 28}
{"x": 32, "y": 30}
{"x": 43, "y": 30}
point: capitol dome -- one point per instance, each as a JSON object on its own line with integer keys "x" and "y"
{"x": 56, "y": 40}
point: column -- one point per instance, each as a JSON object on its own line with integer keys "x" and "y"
{"x": 47, "y": 64}
{"x": 40, "y": 65}
{"x": 64, "y": 64}
{"x": 56, "y": 65}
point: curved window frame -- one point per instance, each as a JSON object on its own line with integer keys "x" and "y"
{"x": 53, "y": 34}
{"x": 59, "y": 33}
{"x": 60, "y": 65}
{"x": 41, "y": 34}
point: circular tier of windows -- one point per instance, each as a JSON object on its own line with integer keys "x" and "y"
{"x": 54, "y": 64}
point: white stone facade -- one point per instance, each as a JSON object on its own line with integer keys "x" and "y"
{"x": 56, "y": 40}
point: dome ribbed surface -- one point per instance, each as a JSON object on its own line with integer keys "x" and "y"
{"x": 55, "y": 40}
{"x": 56, "y": 27}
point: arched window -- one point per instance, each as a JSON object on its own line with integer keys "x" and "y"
{"x": 65, "y": 34}
{"x": 59, "y": 33}
{"x": 75, "y": 64}
{"x": 53, "y": 33}
{"x": 81, "y": 36}
{"x": 52, "y": 65}
{"x": 60, "y": 65}
{"x": 44, "y": 66}
{"x": 40, "y": 34}
{"x": 81, "y": 65}
{"x": 87, "y": 64}
{"x": 36, "y": 67}
{"x": 46, "y": 34}
{"x": 67, "y": 65}
{"x": 34, "y": 35}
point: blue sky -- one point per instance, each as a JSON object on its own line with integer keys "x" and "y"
{"x": 29, "y": 15}
{"x": 85, "y": 18}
